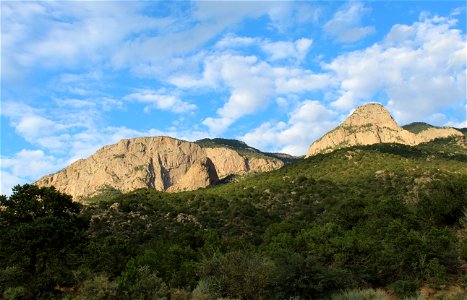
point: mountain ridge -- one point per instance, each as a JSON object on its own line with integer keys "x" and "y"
{"x": 372, "y": 124}
{"x": 162, "y": 163}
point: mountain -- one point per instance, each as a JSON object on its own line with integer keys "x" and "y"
{"x": 417, "y": 127}
{"x": 336, "y": 221}
{"x": 372, "y": 124}
{"x": 161, "y": 163}
{"x": 386, "y": 216}
{"x": 245, "y": 150}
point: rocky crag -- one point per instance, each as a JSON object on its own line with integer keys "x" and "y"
{"x": 162, "y": 163}
{"x": 371, "y": 124}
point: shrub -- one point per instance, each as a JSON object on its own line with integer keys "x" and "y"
{"x": 358, "y": 294}
{"x": 98, "y": 288}
{"x": 403, "y": 288}
{"x": 15, "y": 293}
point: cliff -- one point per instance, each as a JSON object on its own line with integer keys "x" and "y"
{"x": 162, "y": 163}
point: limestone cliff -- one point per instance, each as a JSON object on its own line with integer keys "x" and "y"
{"x": 372, "y": 124}
{"x": 162, "y": 163}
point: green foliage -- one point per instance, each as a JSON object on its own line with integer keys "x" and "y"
{"x": 364, "y": 217}
{"x": 140, "y": 283}
{"x": 236, "y": 274}
{"x": 98, "y": 288}
{"x": 403, "y": 288}
{"x": 305, "y": 276}
{"x": 42, "y": 234}
{"x": 15, "y": 293}
{"x": 359, "y": 294}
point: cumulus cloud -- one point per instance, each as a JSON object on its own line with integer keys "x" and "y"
{"x": 160, "y": 100}
{"x": 419, "y": 68}
{"x": 29, "y": 122}
{"x": 309, "y": 121}
{"x": 25, "y": 166}
{"x": 252, "y": 84}
{"x": 285, "y": 50}
{"x": 346, "y": 24}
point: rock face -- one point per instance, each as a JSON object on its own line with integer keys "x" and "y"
{"x": 371, "y": 124}
{"x": 162, "y": 163}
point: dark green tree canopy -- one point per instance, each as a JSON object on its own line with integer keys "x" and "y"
{"x": 29, "y": 202}
{"x": 41, "y": 237}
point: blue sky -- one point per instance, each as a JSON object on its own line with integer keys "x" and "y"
{"x": 76, "y": 76}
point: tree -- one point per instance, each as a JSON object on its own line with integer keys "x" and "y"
{"x": 42, "y": 235}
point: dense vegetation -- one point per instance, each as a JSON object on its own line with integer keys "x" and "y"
{"x": 382, "y": 219}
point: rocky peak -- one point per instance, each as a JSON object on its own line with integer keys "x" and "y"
{"x": 162, "y": 163}
{"x": 371, "y": 124}
{"x": 370, "y": 114}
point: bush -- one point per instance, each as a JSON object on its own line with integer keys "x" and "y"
{"x": 236, "y": 274}
{"x": 358, "y": 294}
{"x": 403, "y": 288}
{"x": 98, "y": 288}
{"x": 139, "y": 283}
{"x": 15, "y": 293}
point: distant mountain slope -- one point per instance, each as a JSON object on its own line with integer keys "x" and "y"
{"x": 417, "y": 127}
{"x": 244, "y": 149}
{"x": 161, "y": 163}
{"x": 372, "y": 124}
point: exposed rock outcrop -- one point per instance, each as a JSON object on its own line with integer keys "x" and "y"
{"x": 227, "y": 161}
{"x": 162, "y": 163}
{"x": 371, "y": 124}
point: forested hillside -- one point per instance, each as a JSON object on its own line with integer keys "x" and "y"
{"x": 385, "y": 216}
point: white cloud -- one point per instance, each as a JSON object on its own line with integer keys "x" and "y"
{"x": 30, "y": 163}
{"x": 309, "y": 121}
{"x": 29, "y": 122}
{"x": 250, "y": 85}
{"x": 345, "y": 24}
{"x": 164, "y": 53}
{"x": 419, "y": 68}
{"x": 26, "y": 166}
{"x": 159, "y": 100}
{"x": 286, "y": 50}
{"x": 8, "y": 181}
{"x": 68, "y": 34}
{"x": 295, "y": 80}
{"x": 232, "y": 41}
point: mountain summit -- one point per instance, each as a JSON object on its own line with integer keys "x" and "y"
{"x": 162, "y": 163}
{"x": 372, "y": 124}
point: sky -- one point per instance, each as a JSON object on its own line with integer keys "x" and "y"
{"x": 78, "y": 75}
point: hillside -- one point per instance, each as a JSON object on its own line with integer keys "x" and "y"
{"x": 376, "y": 216}
{"x": 379, "y": 212}
{"x": 384, "y": 216}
